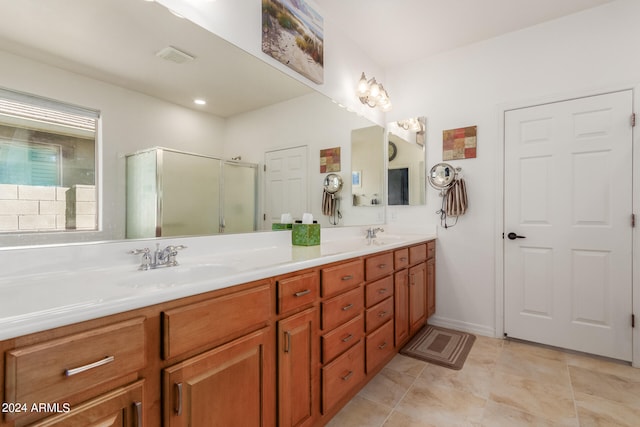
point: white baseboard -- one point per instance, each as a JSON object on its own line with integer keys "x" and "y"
{"x": 458, "y": 325}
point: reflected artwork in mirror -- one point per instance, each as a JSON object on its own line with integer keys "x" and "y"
{"x": 406, "y": 164}
{"x": 103, "y": 55}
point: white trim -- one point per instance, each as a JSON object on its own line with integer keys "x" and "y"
{"x": 458, "y": 325}
{"x": 499, "y": 205}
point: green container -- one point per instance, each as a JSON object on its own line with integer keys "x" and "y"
{"x": 279, "y": 226}
{"x": 305, "y": 234}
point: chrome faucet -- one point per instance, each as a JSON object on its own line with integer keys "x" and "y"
{"x": 371, "y": 233}
{"x": 160, "y": 258}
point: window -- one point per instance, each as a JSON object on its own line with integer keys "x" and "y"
{"x": 47, "y": 165}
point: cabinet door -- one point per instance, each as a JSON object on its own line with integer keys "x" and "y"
{"x": 298, "y": 369}
{"x": 431, "y": 287}
{"x": 120, "y": 408}
{"x": 401, "y": 295}
{"x": 231, "y": 385}
{"x": 417, "y": 297}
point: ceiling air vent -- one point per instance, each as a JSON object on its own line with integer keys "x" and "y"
{"x": 173, "y": 54}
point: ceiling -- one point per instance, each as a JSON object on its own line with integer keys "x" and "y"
{"x": 116, "y": 41}
{"x": 394, "y": 32}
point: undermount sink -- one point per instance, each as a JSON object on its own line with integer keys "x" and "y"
{"x": 168, "y": 277}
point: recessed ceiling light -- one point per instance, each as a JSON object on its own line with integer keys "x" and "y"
{"x": 199, "y": 101}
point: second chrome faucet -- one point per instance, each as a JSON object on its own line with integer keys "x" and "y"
{"x": 165, "y": 257}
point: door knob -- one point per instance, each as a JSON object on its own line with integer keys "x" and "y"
{"x": 514, "y": 236}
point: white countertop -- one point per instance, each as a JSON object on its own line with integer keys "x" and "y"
{"x": 43, "y": 288}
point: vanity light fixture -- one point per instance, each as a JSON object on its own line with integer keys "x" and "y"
{"x": 412, "y": 124}
{"x": 373, "y": 94}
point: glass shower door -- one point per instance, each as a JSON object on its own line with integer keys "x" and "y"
{"x": 190, "y": 192}
{"x": 239, "y": 202}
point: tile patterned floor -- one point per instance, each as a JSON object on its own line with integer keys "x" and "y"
{"x": 503, "y": 383}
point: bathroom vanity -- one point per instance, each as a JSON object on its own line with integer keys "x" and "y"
{"x": 228, "y": 338}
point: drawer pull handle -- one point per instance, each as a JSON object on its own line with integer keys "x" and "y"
{"x": 404, "y": 258}
{"x": 74, "y": 371}
{"x": 382, "y": 291}
{"x": 383, "y": 313}
{"x": 302, "y": 293}
{"x": 137, "y": 407}
{"x": 287, "y": 341}
{"x": 346, "y": 377}
{"x": 347, "y": 307}
{"x": 382, "y": 266}
{"x": 347, "y": 338}
{"x": 382, "y": 346}
{"x": 178, "y": 403}
{"x": 348, "y": 277}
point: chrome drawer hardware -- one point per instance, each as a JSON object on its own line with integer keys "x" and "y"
{"x": 347, "y": 338}
{"x": 302, "y": 293}
{"x": 348, "y": 277}
{"x": 347, "y": 307}
{"x": 137, "y": 407}
{"x": 346, "y": 377}
{"x": 382, "y": 346}
{"x": 178, "y": 403}
{"x": 382, "y": 291}
{"x": 74, "y": 371}
{"x": 382, "y": 314}
{"x": 287, "y": 341}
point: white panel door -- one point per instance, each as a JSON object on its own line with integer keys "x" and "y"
{"x": 568, "y": 199}
{"x": 285, "y": 184}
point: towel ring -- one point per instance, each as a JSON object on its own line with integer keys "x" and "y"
{"x": 332, "y": 183}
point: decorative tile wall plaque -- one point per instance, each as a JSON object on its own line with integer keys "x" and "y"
{"x": 330, "y": 160}
{"x": 459, "y": 143}
{"x": 292, "y": 33}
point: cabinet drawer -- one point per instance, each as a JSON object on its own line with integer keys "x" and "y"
{"x": 122, "y": 406}
{"x": 214, "y": 321}
{"x": 378, "y": 266}
{"x": 53, "y": 370}
{"x": 338, "y": 278}
{"x": 342, "y": 338}
{"x": 341, "y": 308}
{"x": 401, "y": 258}
{"x": 378, "y": 290}
{"x": 342, "y": 375}
{"x": 298, "y": 291}
{"x": 431, "y": 249}
{"x": 378, "y": 314}
{"x": 379, "y": 346}
{"x": 417, "y": 253}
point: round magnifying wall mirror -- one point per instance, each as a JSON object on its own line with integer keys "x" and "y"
{"x": 441, "y": 176}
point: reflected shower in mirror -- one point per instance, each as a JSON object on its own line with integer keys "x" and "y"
{"x": 406, "y": 163}
{"x": 367, "y": 166}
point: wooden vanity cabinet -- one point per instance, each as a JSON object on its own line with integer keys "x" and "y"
{"x": 288, "y": 350}
{"x": 231, "y": 381}
{"x": 414, "y": 286}
{"x": 122, "y": 407}
{"x": 233, "y": 384}
{"x": 417, "y": 297}
{"x": 431, "y": 278}
{"x": 298, "y": 369}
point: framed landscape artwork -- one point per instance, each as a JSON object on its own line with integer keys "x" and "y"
{"x": 292, "y": 33}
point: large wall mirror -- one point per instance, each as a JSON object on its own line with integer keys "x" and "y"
{"x": 367, "y": 166}
{"x": 141, "y": 68}
{"x": 406, "y": 165}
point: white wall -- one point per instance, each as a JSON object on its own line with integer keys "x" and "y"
{"x": 585, "y": 53}
{"x": 131, "y": 121}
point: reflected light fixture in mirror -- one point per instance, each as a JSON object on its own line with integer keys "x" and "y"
{"x": 373, "y": 94}
{"x": 413, "y": 124}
